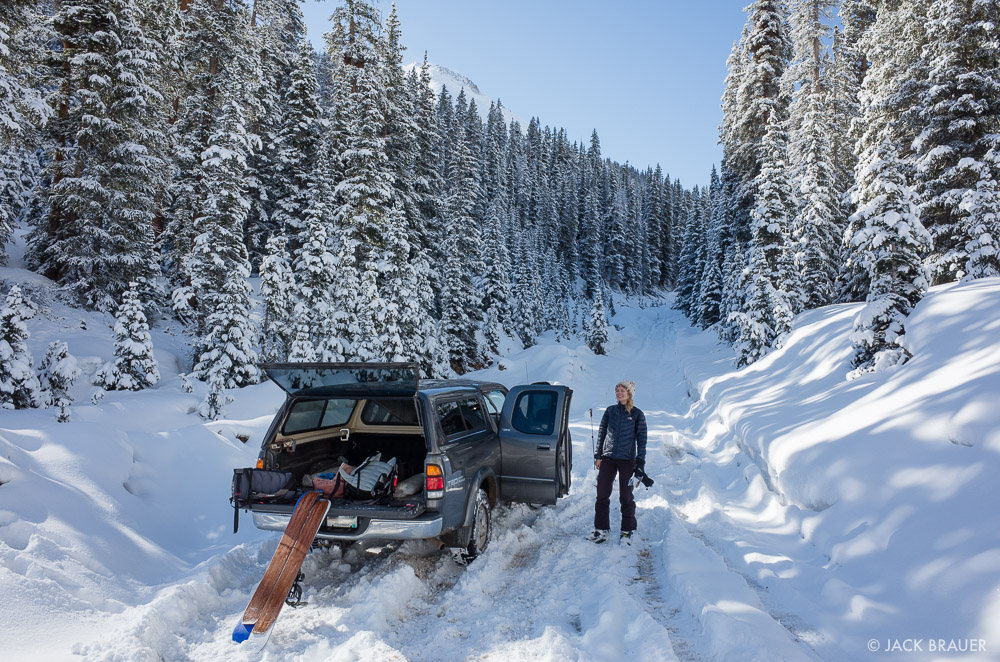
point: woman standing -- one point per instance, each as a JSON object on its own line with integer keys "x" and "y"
{"x": 621, "y": 448}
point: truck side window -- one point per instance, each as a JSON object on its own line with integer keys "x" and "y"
{"x": 494, "y": 404}
{"x": 305, "y": 415}
{"x": 472, "y": 412}
{"x": 451, "y": 418}
{"x": 535, "y": 412}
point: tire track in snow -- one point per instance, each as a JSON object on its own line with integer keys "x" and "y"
{"x": 698, "y": 584}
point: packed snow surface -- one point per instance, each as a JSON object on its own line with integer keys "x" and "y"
{"x": 795, "y": 515}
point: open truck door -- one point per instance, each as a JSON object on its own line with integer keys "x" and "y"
{"x": 535, "y": 446}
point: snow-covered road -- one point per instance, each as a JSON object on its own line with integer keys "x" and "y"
{"x": 540, "y": 591}
{"x": 795, "y": 516}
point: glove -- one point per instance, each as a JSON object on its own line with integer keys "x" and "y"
{"x": 640, "y": 465}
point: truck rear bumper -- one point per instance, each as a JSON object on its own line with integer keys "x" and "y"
{"x": 425, "y": 526}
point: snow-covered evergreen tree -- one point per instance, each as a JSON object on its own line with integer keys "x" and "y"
{"x": 850, "y": 64}
{"x": 277, "y": 285}
{"x": 591, "y": 235}
{"x": 59, "y": 371}
{"x": 616, "y": 219}
{"x": 22, "y": 109}
{"x": 816, "y": 234}
{"x": 135, "y": 367}
{"x": 227, "y": 348}
{"x": 710, "y": 288}
{"x": 204, "y": 238}
{"x": 106, "y": 149}
{"x": 364, "y": 189}
{"x": 596, "y": 326}
{"x": 526, "y": 287}
{"x": 886, "y": 233}
{"x": 890, "y": 241}
{"x": 769, "y": 279}
{"x": 496, "y": 285}
{"x": 959, "y": 146}
{"x": 316, "y": 334}
{"x": 401, "y": 126}
{"x": 810, "y": 164}
{"x": 764, "y": 52}
{"x": 428, "y": 179}
{"x": 461, "y": 312}
{"x": 19, "y": 385}
{"x": 690, "y": 263}
{"x": 298, "y": 142}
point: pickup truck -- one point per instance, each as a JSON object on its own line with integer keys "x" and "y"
{"x": 462, "y": 445}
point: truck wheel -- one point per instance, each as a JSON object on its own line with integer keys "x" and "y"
{"x": 482, "y": 527}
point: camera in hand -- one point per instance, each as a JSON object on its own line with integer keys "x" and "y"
{"x": 643, "y": 478}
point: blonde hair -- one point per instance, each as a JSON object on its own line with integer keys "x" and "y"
{"x": 629, "y": 404}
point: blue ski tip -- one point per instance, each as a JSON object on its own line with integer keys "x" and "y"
{"x": 242, "y": 632}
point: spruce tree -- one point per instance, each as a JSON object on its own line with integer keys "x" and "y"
{"x": 769, "y": 280}
{"x": 462, "y": 246}
{"x": 59, "y": 371}
{"x": 959, "y": 146}
{"x": 19, "y": 385}
{"x": 526, "y": 284}
{"x": 428, "y": 179}
{"x": 21, "y": 110}
{"x": 364, "y": 189}
{"x": 615, "y": 248}
{"x": 711, "y": 285}
{"x": 314, "y": 313}
{"x": 298, "y": 145}
{"x": 887, "y": 235}
{"x": 763, "y": 56}
{"x": 815, "y": 229}
{"x": 135, "y": 367}
{"x": 596, "y": 327}
{"x": 106, "y": 151}
{"x": 591, "y": 235}
{"x": 889, "y": 240}
{"x": 204, "y": 238}
{"x": 689, "y": 262}
{"x": 817, "y": 237}
{"x": 277, "y": 285}
{"x": 496, "y": 289}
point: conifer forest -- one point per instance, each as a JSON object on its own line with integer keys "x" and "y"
{"x": 168, "y": 156}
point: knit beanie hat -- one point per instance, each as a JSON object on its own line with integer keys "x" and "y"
{"x": 629, "y": 386}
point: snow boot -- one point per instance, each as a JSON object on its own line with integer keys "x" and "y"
{"x": 625, "y": 538}
{"x": 599, "y": 536}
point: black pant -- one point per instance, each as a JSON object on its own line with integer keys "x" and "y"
{"x": 605, "y": 480}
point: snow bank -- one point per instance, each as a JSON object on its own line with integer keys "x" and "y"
{"x": 889, "y": 481}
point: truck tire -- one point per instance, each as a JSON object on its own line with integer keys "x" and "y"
{"x": 482, "y": 526}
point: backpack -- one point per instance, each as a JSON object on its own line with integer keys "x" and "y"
{"x": 372, "y": 479}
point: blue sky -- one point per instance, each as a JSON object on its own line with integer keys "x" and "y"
{"x": 647, "y": 74}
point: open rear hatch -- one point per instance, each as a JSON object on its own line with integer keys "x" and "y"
{"x": 358, "y": 380}
{"x": 320, "y": 444}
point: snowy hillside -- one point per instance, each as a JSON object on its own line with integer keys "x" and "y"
{"x": 444, "y": 77}
{"x": 795, "y": 515}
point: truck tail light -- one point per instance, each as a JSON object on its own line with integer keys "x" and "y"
{"x": 260, "y": 463}
{"x": 435, "y": 481}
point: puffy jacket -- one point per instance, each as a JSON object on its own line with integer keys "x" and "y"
{"x": 622, "y": 436}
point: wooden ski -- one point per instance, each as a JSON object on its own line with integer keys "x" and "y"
{"x": 268, "y": 599}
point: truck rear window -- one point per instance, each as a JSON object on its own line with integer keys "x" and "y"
{"x": 390, "y": 412}
{"x": 318, "y": 414}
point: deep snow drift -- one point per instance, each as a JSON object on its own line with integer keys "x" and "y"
{"x": 795, "y": 515}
